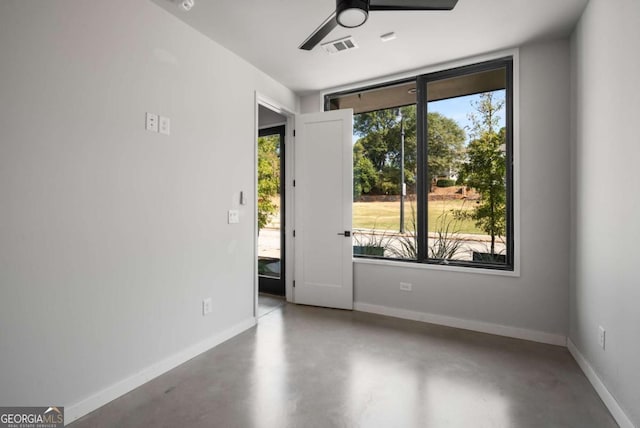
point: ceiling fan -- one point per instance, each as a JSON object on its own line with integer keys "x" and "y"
{"x": 354, "y": 13}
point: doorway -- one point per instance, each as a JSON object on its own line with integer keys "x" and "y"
{"x": 313, "y": 287}
{"x": 271, "y": 211}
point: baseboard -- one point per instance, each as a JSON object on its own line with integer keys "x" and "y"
{"x": 618, "y": 414}
{"x": 483, "y": 327}
{"x": 110, "y": 393}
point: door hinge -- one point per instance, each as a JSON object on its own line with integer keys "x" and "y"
{"x": 294, "y": 283}
{"x": 294, "y": 132}
{"x": 294, "y": 233}
{"x": 294, "y": 183}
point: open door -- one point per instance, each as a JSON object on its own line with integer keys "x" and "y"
{"x": 323, "y": 270}
{"x": 271, "y": 210}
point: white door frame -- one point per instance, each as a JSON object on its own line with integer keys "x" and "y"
{"x": 262, "y": 100}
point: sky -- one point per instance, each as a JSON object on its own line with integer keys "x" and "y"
{"x": 459, "y": 108}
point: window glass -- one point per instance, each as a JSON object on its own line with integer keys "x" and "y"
{"x": 384, "y": 157}
{"x": 432, "y": 171}
{"x": 467, "y": 168}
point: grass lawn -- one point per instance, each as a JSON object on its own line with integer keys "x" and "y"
{"x": 386, "y": 215}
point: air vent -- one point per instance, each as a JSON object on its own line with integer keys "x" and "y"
{"x": 340, "y": 45}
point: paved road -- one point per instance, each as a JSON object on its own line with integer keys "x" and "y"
{"x": 269, "y": 243}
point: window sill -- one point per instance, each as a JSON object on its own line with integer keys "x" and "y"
{"x": 427, "y": 266}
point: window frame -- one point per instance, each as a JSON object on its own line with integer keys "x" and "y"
{"x": 508, "y": 62}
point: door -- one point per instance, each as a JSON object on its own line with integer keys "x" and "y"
{"x": 323, "y": 195}
{"x": 271, "y": 212}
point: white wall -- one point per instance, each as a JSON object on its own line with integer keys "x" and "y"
{"x": 605, "y": 282}
{"x": 311, "y": 103}
{"x": 110, "y": 235}
{"x": 535, "y": 304}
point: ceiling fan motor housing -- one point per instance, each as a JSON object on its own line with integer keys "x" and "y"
{"x": 352, "y": 13}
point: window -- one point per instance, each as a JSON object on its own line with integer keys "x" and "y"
{"x": 432, "y": 167}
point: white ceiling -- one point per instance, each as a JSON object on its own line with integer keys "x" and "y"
{"x": 267, "y": 33}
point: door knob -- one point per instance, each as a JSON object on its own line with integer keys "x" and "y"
{"x": 346, "y": 233}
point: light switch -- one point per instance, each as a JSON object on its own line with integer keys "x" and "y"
{"x": 165, "y": 125}
{"x": 234, "y": 216}
{"x": 207, "y": 306}
{"x": 152, "y": 122}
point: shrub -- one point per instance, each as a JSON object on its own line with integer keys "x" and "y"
{"x": 370, "y": 243}
{"x": 445, "y": 182}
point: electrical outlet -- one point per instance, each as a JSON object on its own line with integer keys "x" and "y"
{"x": 602, "y": 337}
{"x": 151, "y": 122}
{"x": 207, "y": 306}
{"x": 405, "y": 286}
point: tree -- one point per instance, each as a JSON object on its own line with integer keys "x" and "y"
{"x": 364, "y": 174}
{"x": 486, "y": 167}
{"x": 445, "y": 146}
{"x": 379, "y": 143}
{"x": 268, "y": 177}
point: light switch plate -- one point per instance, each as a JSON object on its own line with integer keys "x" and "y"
{"x": 207, "y": 306}
{"x": 164, "y": 125}
{"x": 151, "y": 122}
{"x": 405, "y": 286}
{"x": 234, "y": 216}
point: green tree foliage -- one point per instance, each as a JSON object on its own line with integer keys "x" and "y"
{"x": 377, "y": 151}
{"x": 268, "y": 177}
{"x": 445, "y": 141}
{"x": 364, "y": 173}
{"x": 379, "y": 144}
{"x": 486, "y": 167}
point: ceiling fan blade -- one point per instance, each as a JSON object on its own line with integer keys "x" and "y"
{"x": 412, "y": 4}
{"x": 325, "y": 28}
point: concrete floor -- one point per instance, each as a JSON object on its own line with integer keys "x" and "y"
{"x": 268, "y": 303}
{"x": 312, "y": 367}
